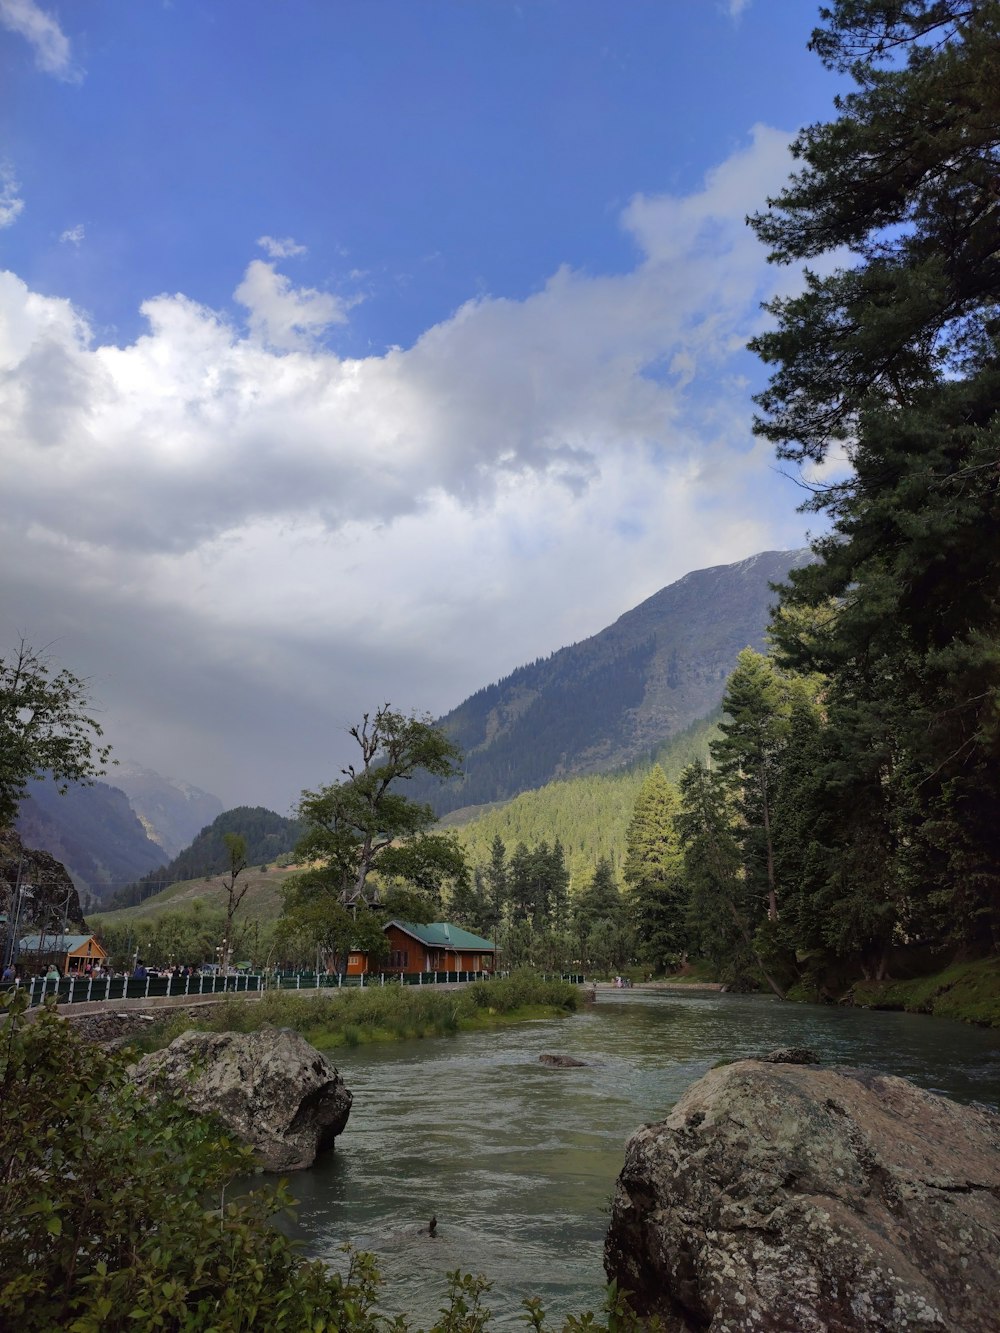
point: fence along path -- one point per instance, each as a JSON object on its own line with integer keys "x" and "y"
{"x": 82, "y": 990}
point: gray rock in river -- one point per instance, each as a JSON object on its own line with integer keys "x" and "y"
{"x": 790, "y": 1055}
{"x": 562, "y": 1062}
{"x": 270, "y": 1088}
{"x": 779, "y": 1197}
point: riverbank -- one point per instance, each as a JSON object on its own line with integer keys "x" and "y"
{"x": 383, "y": 1014}
{"x": 966, "y": 991}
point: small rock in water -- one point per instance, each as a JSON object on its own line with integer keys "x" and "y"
{"x": 790, "y": 1055}
{"x": 562, "y": 1062}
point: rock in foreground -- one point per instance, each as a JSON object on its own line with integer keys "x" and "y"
{"x": 778, "y": 1197}
{"x": 270, "y": 1088}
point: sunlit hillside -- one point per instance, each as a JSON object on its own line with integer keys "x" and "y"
{"x": 588, "y": 815}
{"x": 263, "y": 899}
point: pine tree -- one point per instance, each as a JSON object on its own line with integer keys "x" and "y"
{"x": 894, "y": 356}
{"x": 654, "y": 872}
{"x": 718, "y": 913}
{"x": 497, "y": 892}
{"x": 748, "y": 754}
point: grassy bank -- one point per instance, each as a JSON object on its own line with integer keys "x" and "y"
{"x": 967, "y": 991}
{"x": 389, "y": 1013}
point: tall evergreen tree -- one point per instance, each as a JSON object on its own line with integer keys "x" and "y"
{"x": 894, "y": 357}
{"x": 497, "y": 890}
{"x": 654, "y": 873}
{"x": 748, "y": 754}
{"x": 720, "y": 913}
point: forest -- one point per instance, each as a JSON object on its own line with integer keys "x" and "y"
{"x": 844, "y": 815}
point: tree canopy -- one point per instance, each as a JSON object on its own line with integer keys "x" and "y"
{"x": 364, "y": 821}
{"x": 44, "y": 727}
{"x": 891, "y": 353}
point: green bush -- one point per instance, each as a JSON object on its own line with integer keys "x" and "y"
{"x": 113, "y": 1211}
{"x": 114, "y": 1217}
{"x": 349, "y": 1017}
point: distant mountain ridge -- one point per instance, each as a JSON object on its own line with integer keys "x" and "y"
{"x": 92, "y": 830}
{"x": 171, "y": 811}
{"x": 602, "y": 703}
{"x": 109, "y": 834}
{"x": 267, "y": 836}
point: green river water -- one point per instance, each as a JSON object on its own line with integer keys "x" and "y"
{"x": 518, "y": 1161}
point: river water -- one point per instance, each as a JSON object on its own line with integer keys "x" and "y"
{"x": 518, "y": 1161}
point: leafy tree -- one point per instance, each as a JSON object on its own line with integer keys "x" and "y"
{"x": 654, "y": 872}
{"x": 44, "y": 728}
{"x": 363, "y": 823}
{"x": 892, "y": 355}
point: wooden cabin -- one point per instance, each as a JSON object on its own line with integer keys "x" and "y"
{"x": 72, "y": 954}
{"x": 437, "y": 947}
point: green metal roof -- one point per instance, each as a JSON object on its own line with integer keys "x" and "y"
{"x": 443, "y": 935}
{"x": 53, "y": 942}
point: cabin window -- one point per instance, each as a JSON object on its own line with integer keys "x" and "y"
{"x": 399, "y": 958}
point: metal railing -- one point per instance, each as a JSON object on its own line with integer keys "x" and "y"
{"x": 78, "y": 990}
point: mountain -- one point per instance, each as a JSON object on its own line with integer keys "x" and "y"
{"x": 172, "y": 812}
{"x": 588, "y": 815}
{"x": 268, "y": 836}
{"x": 604, "y": 702}
{"x": 92, "y": 830}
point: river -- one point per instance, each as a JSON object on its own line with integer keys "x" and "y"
{"x": 518, "y": 1161}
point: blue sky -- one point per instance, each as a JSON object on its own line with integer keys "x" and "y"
{"x": 363, "y": 351}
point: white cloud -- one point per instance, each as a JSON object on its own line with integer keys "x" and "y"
{"x": 736, "y": 7}
{"x": 72, "y": 235}
{"x": 42, "y": 31}
{"x": 282, "y": 316}
{"x": 11, "y": 204}
{"x": 281, "y": 248}
{"x": 211, "y": 503}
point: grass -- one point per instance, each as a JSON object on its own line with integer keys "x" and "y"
{"x": 967, "y": 991}
{"x": 698, "y": 972}
{"x": 383, "y": 1013}
{"x": 263, "y": 899}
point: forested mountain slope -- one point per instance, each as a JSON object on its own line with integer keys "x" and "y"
{"x": 588, "y": 815}
{"x": 92, "y": 830}
{"x": 602, "y": 703}
{"x": 268, "y": 835}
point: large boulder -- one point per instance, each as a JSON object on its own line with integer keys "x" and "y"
{"x": 270, "y": 1088}
{"x": 781, "y": 1197}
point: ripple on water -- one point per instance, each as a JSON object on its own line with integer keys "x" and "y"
{"x": 518, "y": 1161}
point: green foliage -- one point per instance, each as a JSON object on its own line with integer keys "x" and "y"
{"x": 364, "y": 822}
{"x": 587, "y": 816}
{"x": 897, "y": 356}
{"x": 968, "y": 991}
{"x": 654, "y": 873}
{"x": 44, "y": 728}
{"x": 373, "y": 1013}
{"x": 113, "y": 1212}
